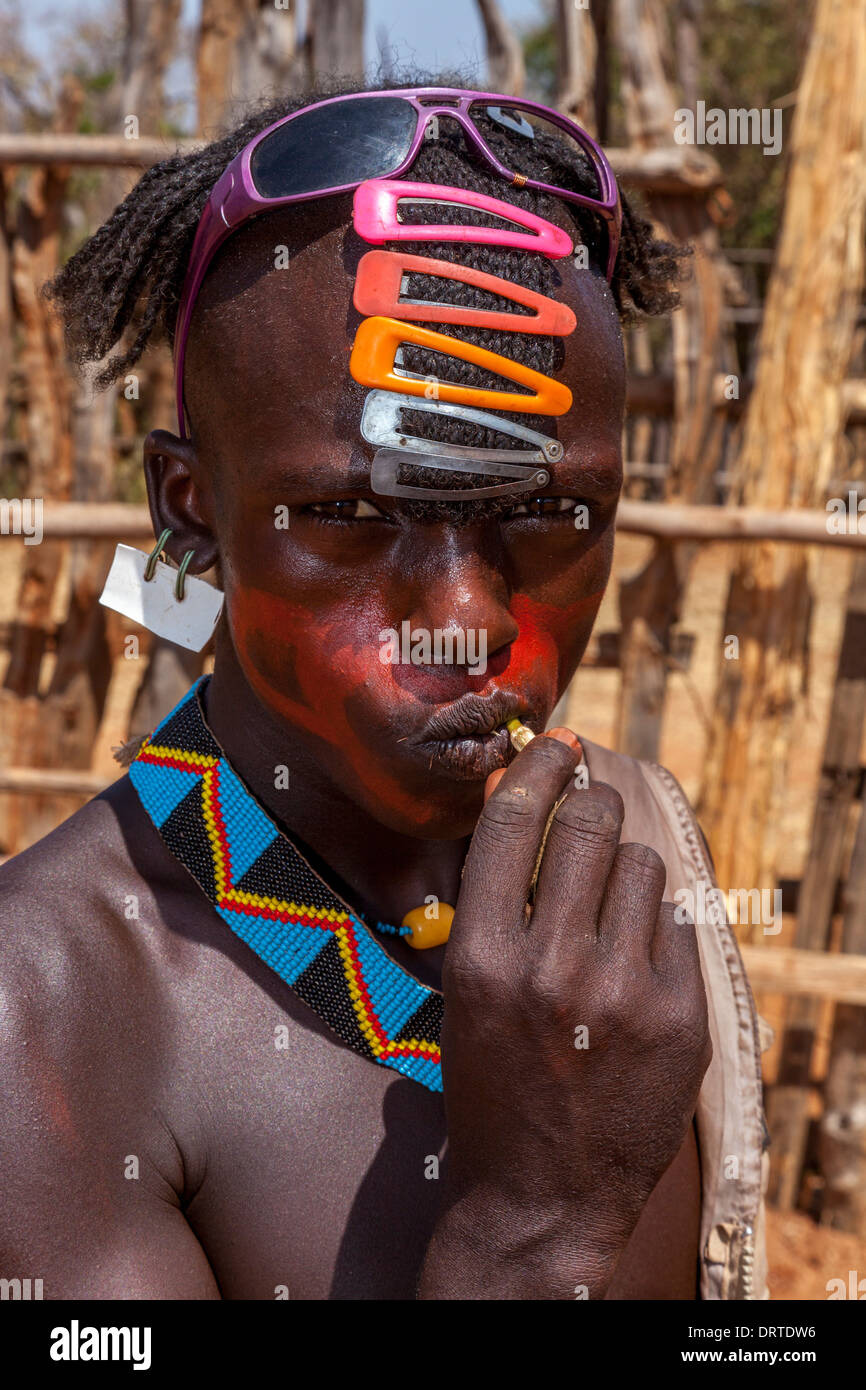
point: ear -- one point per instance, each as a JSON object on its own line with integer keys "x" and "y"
{"x": 180, "y": 496}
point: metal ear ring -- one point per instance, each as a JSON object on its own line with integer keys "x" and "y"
{"x": 180, "y": 581}
{"x": 171, "y": 604}
{"x": 153, "y": 557}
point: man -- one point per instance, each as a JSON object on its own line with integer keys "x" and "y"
{"x": 195, "y": 1108}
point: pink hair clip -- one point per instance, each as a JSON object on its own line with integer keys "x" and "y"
{"x": 377, "y": 218}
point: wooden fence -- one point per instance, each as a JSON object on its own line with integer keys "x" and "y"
{"x": 698, "y": 401}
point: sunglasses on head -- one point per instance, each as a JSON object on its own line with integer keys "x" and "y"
{"x": 333, "y": 146}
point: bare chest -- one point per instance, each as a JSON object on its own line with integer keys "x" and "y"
{"x": 321, "y": 1170}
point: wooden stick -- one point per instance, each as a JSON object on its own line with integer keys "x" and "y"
{"x": 670, "y": 520}
{"x": 41, "y": 780}
{"x": 111, "y": 151}
{"x": 677, "y": 521}
{"x": 667, "y": 171}
{"x": 787, "y": 970}
{"x": 652, "y": 393}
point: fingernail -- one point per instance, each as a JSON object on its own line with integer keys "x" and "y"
{"x": 565, "y": 736}
{"x": 493, "y": 782}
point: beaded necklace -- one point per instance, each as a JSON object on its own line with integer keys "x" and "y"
{"x": 265, "y": 890}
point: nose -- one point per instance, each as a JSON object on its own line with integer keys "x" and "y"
{"x": 462, "y": 587}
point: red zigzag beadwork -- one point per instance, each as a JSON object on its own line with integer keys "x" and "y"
{"x": 265, "y": 890}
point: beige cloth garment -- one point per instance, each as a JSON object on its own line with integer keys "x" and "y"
{"x": 731, "y": 1127}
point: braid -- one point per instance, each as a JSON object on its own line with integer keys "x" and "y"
{"x": 137, "y": 259}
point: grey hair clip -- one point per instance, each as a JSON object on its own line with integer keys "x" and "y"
{"x": 386, "y": 464}
{"x": 380, "y": 424}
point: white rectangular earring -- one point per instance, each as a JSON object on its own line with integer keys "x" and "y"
{"x": 170, "y": 603}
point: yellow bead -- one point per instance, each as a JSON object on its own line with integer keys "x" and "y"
{"x": 431, "y": 925}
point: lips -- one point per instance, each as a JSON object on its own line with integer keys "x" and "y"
{"x": 466, "y": 739}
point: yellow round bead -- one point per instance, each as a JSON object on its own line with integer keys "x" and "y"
{"x": 431, "y": 925}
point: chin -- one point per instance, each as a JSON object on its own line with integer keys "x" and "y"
{"x": 443, "y": 813}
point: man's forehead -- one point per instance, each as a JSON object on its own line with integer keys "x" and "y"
{"x": 274, "y": 326}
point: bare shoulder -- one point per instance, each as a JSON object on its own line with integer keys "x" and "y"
{"x": 72, "y": 894}
{"x": 87, "y": 1056}
{"x": 82, "y": 936}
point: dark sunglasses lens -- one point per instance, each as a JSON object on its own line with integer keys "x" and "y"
{"x": 528, "y": 144}
{"x": 336, "y": 144}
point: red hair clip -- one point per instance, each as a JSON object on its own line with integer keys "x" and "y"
{"x": 380, "y": 278}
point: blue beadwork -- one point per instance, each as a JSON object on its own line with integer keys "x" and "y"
{"x": 387, "y": 930}
{"x": 267, "y": 893}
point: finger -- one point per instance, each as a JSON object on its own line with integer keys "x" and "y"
{"x": 504, "y": 848}
{"x": 676, "y": 959}
{"x": 675, "y": 955}
{"x": 493, "y": 782}
{"x": 578, "y": 856}
{"x": 632, "y": 899}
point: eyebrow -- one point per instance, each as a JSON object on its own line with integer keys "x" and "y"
{"x": 354, "y": 476}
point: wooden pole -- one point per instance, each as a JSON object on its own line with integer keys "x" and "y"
{"x": 35, "y": 243}
{"x": 842, "y": 1129}
{"x": 149, "y": 46}
{"x": 842, "y": 1126}
{"x": 5, "y": 304}
{"x": 788, "y": 1104}
{"x": 246, "y": 49}
{"x": 576, "y": 58}
{"x": 220, "y": 26}
{"x": 505, "y": 67}
{"x": 337, "y": 32}
{"x": 807, "y": 974}
{"x": 670, "y": 521}
{"x": 665, "y": 171}
{"x": 650, "y": 602}
{"x": 688, "y": 17}
{"x": 646, "y": 95}
{"x": 790, "y": 445}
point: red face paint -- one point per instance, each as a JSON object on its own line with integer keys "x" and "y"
{"x": 552, "y": 639}
{"x": 279, "y": 424}
{"x": 321, "y": 673}
{"x": 334, "y": 674}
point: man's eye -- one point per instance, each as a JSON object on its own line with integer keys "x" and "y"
{"x": 347, "y": 509}
{"x": 543, "y": 506}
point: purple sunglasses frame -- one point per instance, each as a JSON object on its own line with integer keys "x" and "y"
{"x": 234, "y": 198}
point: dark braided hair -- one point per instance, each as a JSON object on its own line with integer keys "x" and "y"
{"x": 125, "y": 282}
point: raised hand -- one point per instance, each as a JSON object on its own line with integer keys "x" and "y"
{"x": 575, "y": 1039}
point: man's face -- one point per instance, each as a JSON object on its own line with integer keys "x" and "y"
{"x": 276, "y": 417}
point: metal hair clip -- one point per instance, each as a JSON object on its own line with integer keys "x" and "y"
{"x": 380, "y": 424}
{"x": 386, "y": 464}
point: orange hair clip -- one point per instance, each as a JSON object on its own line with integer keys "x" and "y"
{"x": 373, "y": 360}
{"x": 379, "y": 279}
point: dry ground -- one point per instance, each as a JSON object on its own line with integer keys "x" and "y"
{"x": 804, "y": 1257}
